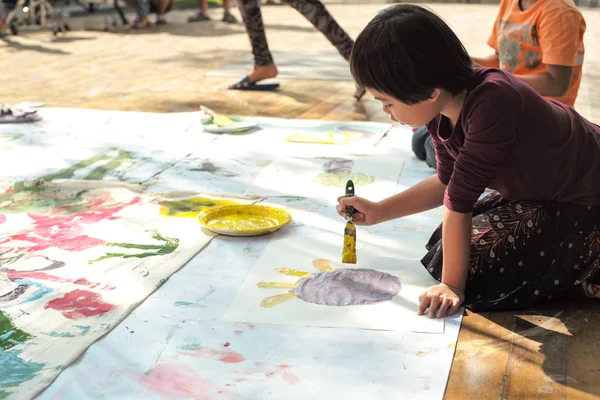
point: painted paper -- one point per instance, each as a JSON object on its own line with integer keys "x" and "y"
{"x": 299, "y": 280}
{"x": 75, "y": 259}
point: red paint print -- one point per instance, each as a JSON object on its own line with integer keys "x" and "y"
{"x": 226, "y": 356}
{"x": 42, "y": 276}
{"x": 2, "y": 218}
{"x": 65, "y": 231}
{"x": 241, "y": 380}
{"x": 283, "y": 371}
{"x": 80, "y": 304}
{"x": 252, "y": 327}
{"x": 227, "y": 344}
{"x": 231, "y": 357}
{"x": 172, "y": 381}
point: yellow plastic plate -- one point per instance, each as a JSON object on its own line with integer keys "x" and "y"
{"x": 244, "y": 220}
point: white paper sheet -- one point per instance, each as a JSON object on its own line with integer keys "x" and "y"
{"x": 298, "y": 253}
{"x": 373, "y": 177}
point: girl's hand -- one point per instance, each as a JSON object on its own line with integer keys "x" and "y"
{"x": 441, "y": 300}
{"x": 367, "y": 212}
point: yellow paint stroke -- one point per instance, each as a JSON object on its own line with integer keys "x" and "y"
{"x": 190, "y": 208}
{"x": 276, "y": 285}
{"x": 340, "y": 179}
{"x": 322, "y": 265}
{"x": 292, "y": 272}
{"x": 244, "y": 222}
{"x": 324, "y": 137}
{"x": 349, "y": 250}
{"x": 272, "y": 301}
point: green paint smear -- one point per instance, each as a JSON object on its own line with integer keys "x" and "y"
{"x": 192, "y": 346}
{"x": 97, "y": 173}
{"x": 10, "y": 336}
{"x": 169, "y": 246}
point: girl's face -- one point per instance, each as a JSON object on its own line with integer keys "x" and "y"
{"x": 415, "y": 115}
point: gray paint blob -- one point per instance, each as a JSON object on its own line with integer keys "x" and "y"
{"x": 347, "y": 287}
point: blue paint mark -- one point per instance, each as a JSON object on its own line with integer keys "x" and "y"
{"x": 14, "y": 370}
{"x": 42, "y": 291}
{"x": 84, "y": 329}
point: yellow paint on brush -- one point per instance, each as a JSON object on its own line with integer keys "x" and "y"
{"x": 349, "y": 250}
{"x": 190, "y": 208}
{"x": 322, "y": 265}
{"x": 292, "y": 272}
{"x": 272, "y": 301}
{"x": 276, "y": 285}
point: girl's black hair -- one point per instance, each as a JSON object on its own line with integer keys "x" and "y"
{"x": 407, "y": 52}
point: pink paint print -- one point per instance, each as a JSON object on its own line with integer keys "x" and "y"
{"x": 173, "y": 381}
{"x": 80, "y": 304}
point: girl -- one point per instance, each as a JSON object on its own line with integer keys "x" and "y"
{"x": 537, "y": 237}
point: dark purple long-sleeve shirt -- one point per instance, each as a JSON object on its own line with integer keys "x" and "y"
{"x": 511, "y": 139}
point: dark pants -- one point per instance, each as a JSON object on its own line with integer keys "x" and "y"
{"x": 524, "y": 252}
{"x": 313, "y": 10}
{"x": 422, "y": 146}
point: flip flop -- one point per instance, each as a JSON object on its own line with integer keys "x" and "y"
{"x": 11, "y": 115}
{"x": 245, "y": 84}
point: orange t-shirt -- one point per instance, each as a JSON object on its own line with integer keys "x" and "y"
{"x": 550, "y": 32}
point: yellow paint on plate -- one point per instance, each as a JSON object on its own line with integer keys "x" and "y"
{"x": 190, "y": 208}
{"x": 244, "y": 220}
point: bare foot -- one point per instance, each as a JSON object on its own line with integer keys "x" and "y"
{"x": 263, "y": 72}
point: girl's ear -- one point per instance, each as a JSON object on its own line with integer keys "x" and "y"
{"x": 434, "y": 96}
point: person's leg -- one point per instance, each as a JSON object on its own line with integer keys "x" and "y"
{"x": 201, "y": 14}
{"x": 264, "y": 67}
{"x": 523, "y": 253}
{"x": 316, "y": 13}
{"x": 227, "y": 15}
{"x": 142, "y": 8}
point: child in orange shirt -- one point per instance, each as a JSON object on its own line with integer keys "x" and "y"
{"x": 541, "y": 42}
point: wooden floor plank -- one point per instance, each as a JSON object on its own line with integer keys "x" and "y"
{"x": 538, "y": 363}
{"x": 583, "y": 351}
{"x": 481, "y": 357}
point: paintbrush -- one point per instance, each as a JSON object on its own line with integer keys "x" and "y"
{"x": 349, "y": 249}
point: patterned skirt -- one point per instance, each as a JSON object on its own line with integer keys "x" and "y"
{"x": 523, "y": 252}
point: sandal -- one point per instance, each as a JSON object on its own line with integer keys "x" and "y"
{"x": 245, "y": 84}
{"x": 199, "y": 17}
{"x": 140, "y": 23}
{"x": 10, "y": 114}
{"x": 229, "y": 18}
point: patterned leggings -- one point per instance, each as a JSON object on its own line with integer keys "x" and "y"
{"x": 313, "y": 10}
{"x": 525, "y": 252}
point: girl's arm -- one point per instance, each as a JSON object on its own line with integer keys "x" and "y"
{"x": 456, "y": 242}
{"x": 423, "y": 196}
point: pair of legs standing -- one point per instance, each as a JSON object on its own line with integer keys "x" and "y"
{"x": 314, "y": 11}
{"x": 202, "y": 13}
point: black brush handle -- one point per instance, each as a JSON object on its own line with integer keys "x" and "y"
{"x": 349, "y": 193}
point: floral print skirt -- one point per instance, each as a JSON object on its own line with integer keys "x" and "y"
{"x": 524, "y": 252}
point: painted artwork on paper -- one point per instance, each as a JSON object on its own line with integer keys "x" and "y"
{"x": 330, "y": 287}
{"x": 327, "y": 132}
{"x": 327, "y": 176}
{"x": 378, "y": 293}
{"x": 75, "y": 258}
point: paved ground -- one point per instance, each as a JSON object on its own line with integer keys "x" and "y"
{"x": 556, "y": 351}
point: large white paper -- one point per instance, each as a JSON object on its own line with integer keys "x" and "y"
{"x": 298, "y": 253}
{"x": 373, "y": 177}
